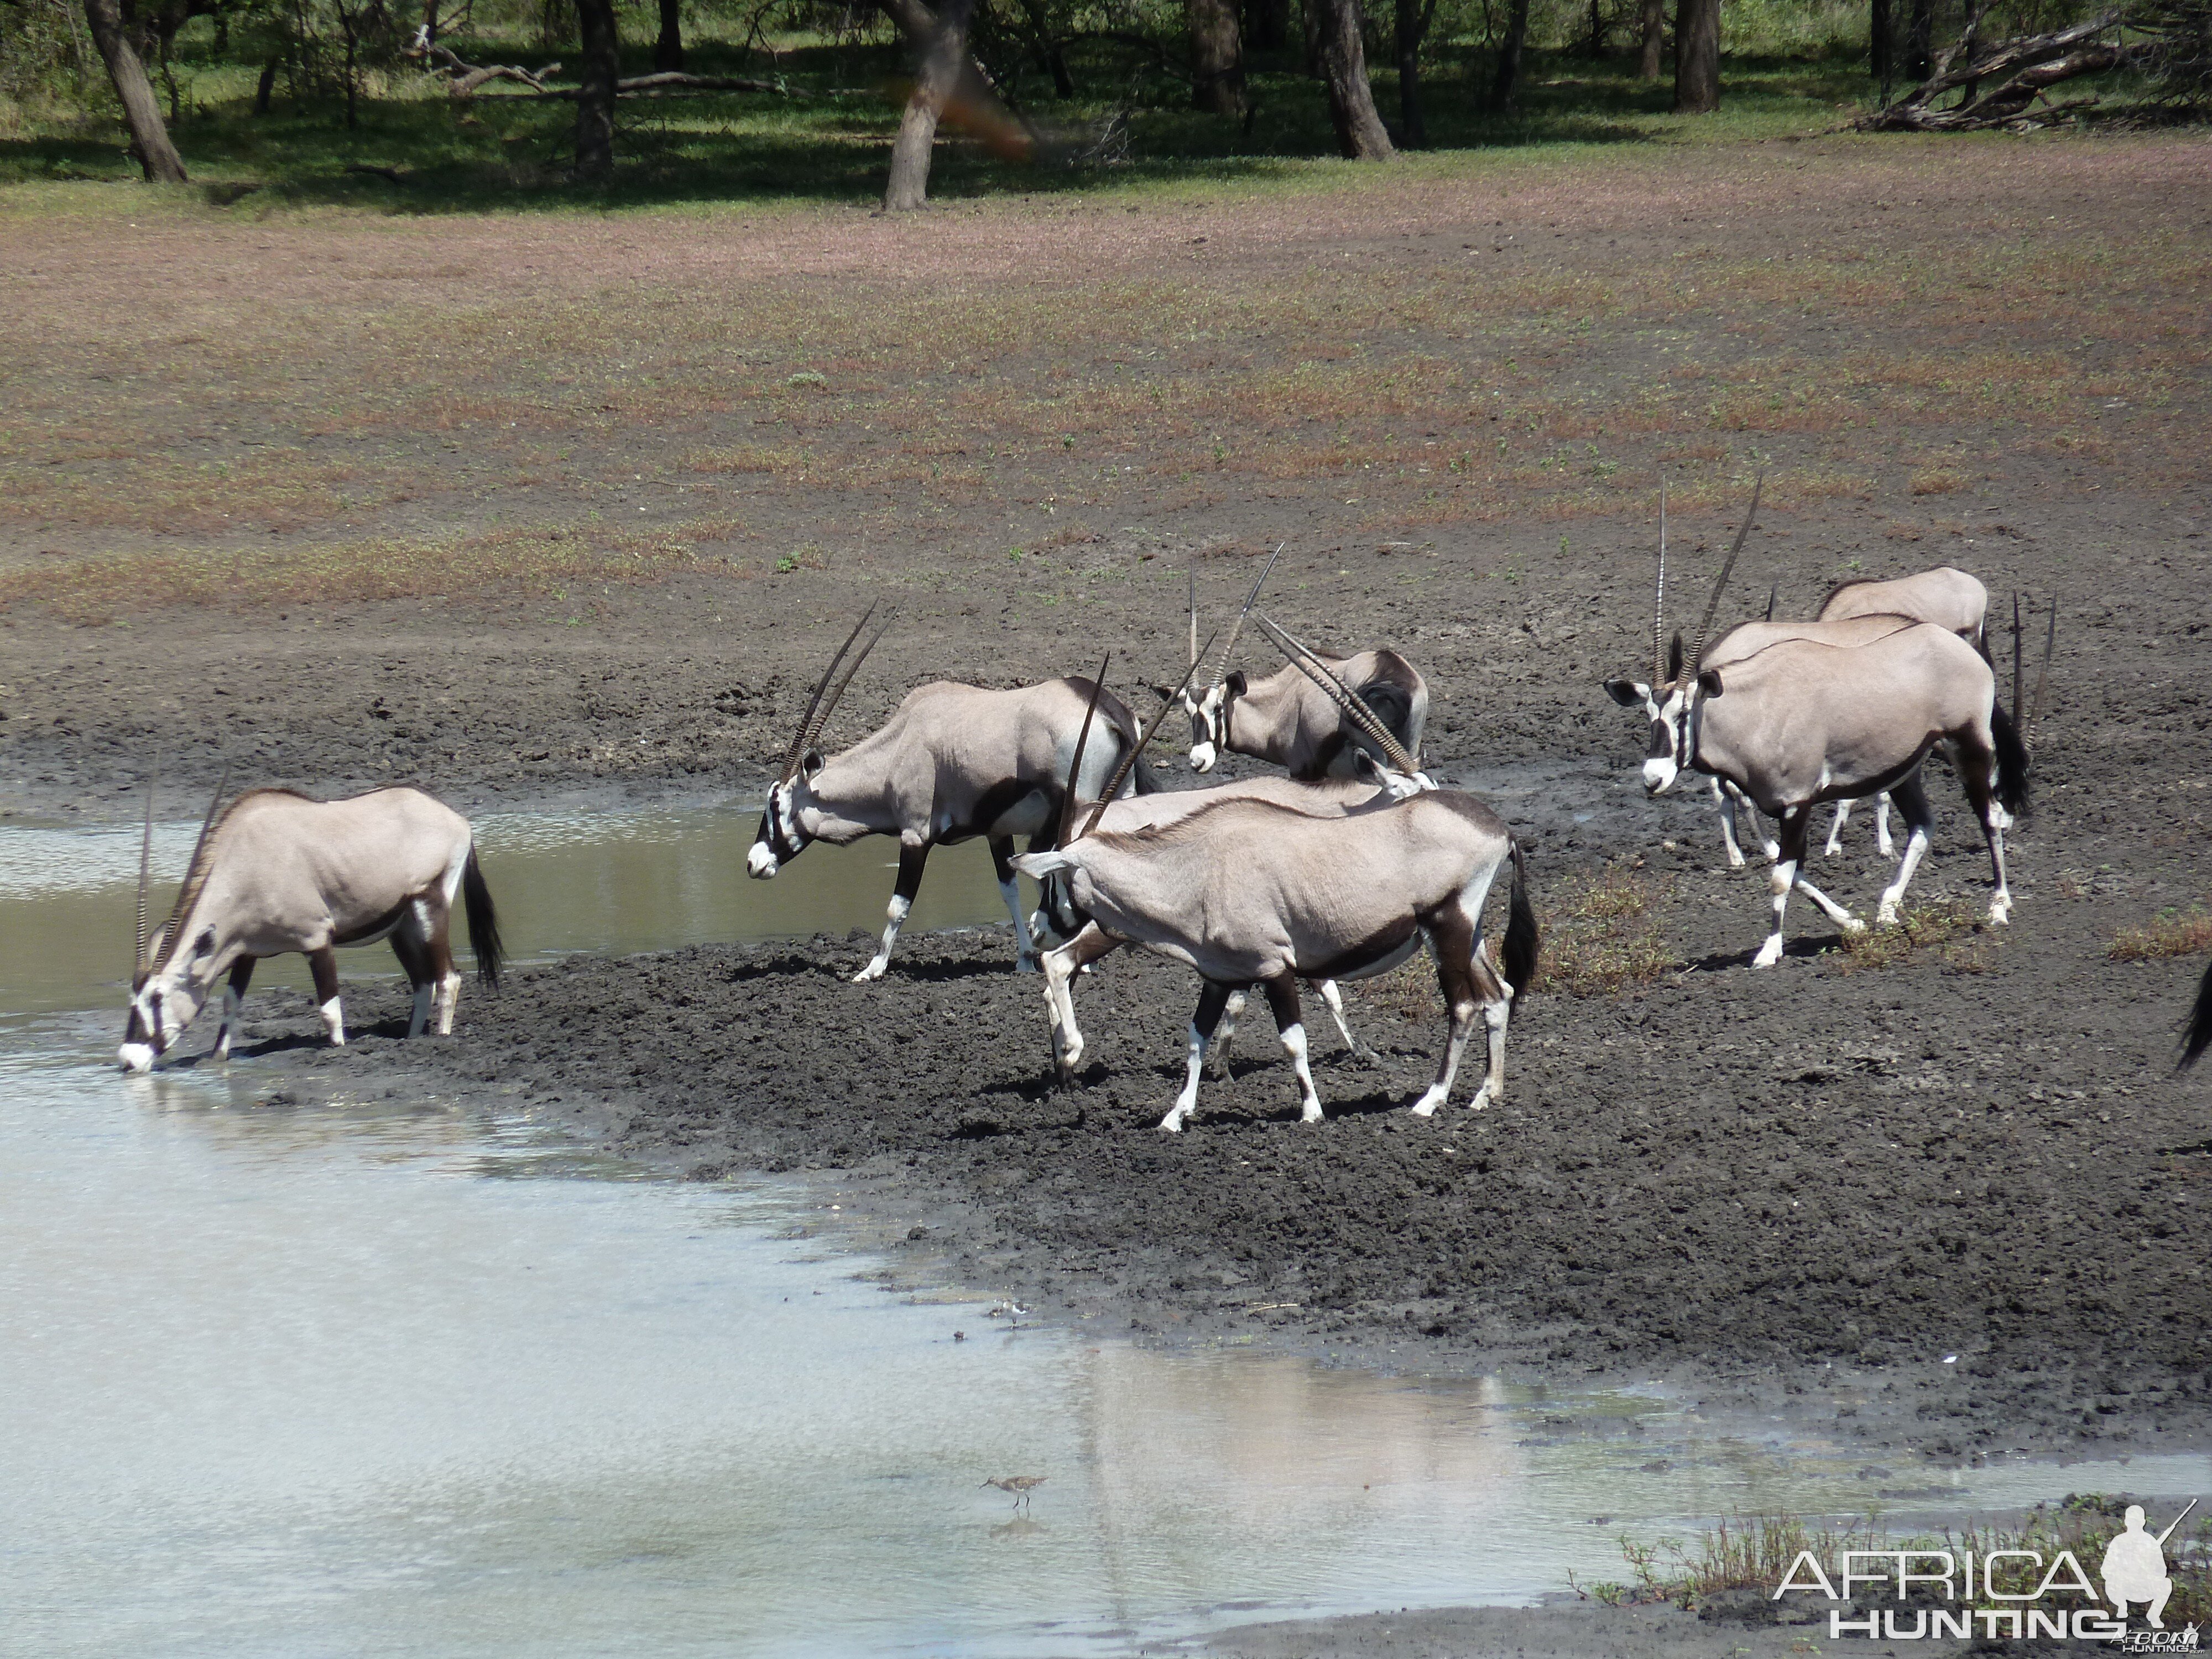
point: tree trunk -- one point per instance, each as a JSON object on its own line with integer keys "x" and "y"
{"x": 1508, "y": 80}
{"x": 265, "y": 87}
{"x": 668, "y": 50}
{"x": 1359, "y": 130}
{"x": 1696, "y": 57}
{"x": 1881, "y": 61}
{"x": 1268, "y": 27}
{"x": 942, "y": 54}
{"x": 1412, "y": 25}
{"x": 1920, "y": 40}
{"x": 1050, "y": 57}
{"x": 1217, "y": 55}
{"x": 595, "y": 97}
{"x": 1597, "y": 29}
{"x": 1652, "y": 20}
{"x": 150, "y": 139}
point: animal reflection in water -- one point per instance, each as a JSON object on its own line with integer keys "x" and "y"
{"x": 275, "y": 872}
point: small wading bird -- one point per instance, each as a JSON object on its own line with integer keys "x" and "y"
{"x": 953, "y": 761}
{"x": 1020, "y": 1484}
{"x": 1247, "y": 892}
{"x": 1284, "y": 721}
{"x": 277, "y": 871}
{"x": 1060, "y": 919}
{"x": 1800, "y": 722}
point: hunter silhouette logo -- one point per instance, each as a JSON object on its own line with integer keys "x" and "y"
{"x": 2135, "y": 1566}
{"x": 1999, "y": 1593}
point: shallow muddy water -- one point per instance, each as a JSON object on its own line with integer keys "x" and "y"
{"x": 380, "y": 1374}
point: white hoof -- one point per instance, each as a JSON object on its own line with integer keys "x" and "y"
{"x": 1769, "y": 954}
{"x": 2000, "y": 913}
{"x": 337, "y": 1040}
{"x": 1313, "y": 1115}
{"x": 1736, "y": 860}
{"x": 136, "y": 1056}
{"x": 1852, "y": 925}
{"x": 1482, "y": 1098}
{"x": 1427, "y": 1104}
{"x": 873, "y": 970}
{"x": 1170, "y": 1125}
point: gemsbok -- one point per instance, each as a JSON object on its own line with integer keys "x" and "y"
{"x": 953, "y": 762}
{"x": 1286, "y": 721}
{"x": 277, "y": 871}
{"x": 1251, "y": 893}
{"x": 1800, "y": 720}
{"x": 1946, "y": 595}
{"x": 1058, "y": 919}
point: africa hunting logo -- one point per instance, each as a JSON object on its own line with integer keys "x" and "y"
{"x": 2133, "y": 1570}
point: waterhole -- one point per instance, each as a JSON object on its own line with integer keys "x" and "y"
{"x": 378, "y": 1374}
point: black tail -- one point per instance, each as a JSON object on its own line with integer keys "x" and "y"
{"x": 483, "y": 922}
{"x": 1522, "y": 946}
{"x": 1148, "y": 781}
{"x": 2199, "y": 1033}
{"x": 2012, "y": 762}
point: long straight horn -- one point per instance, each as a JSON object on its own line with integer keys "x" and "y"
{"x": 1342, "y": 695}
{"x": 800, "y": 732}
{"x": 1659, "y": 603}
{"x": 2019, "y": 712}
{"x": 1772, "y": 593}
{"x": 1194, "y": 615}
{"x": 1137, "y": 750}
{"x": 2043, "y": 674}
{"x": 1228, "y": 646}
{"x": 1698, "y": 651}
{"x": 1081, "y": 742}
{"x": 837, "y": 691}
{"x": 188, "y": 891}
{"x": 145, "y": 876}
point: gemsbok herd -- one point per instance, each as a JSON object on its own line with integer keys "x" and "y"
{"x": 1339, "y": 867}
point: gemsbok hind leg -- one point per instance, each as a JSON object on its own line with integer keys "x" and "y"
{"x": 323, "y": 964}
{"x": 1061, "y": 967}
{"x": 1025, "y": 951}
{"x": 1224, "y": 1033}
{"x": 1919, "y": 819}
{"x": 234, "y": 998}
{"x": 1210, "y": 1002}
{"x": 1468, "y": 982}
{"x": 1291, "y": 1025}
{"x": 911, "y": 861}
{"x": 1977, "y": 770}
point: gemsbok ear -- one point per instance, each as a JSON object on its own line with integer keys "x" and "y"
{"x": 1236, "y": 683}
{"x": 1710, "y": 682}
{"x": 810, "y": 764}
{"x": 1627, "y": 693}
{"x": 205, "y": 943}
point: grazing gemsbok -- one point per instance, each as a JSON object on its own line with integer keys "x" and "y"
{"x": 277, "y": 871}
{"x": 1286, "y": 721}
{"x": 953, "y": 761}
{"x": 1802, "y": 720}
{"x": 1946, "y": 595}
{"x": 1059, "y": 918}
{"x": 1248, "y": 892}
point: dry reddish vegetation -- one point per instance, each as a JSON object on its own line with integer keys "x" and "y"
{"x": 317, "y": 407}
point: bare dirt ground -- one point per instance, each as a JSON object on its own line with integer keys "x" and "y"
{"x": 522, "y": 507}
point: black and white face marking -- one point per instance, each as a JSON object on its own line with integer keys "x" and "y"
{"x": 779, "y": 838}
{"x": 1209, "y": 722}
{"x": 1670, "y": 708}
{"x": 160, "y": 1011}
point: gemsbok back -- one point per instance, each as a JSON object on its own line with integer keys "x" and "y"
{"x": 277, "y": 871}
{"x": 1800, "y": 720}
{"x": 953, "y": 761}
{"x": 1286, "y": 720}
{"x": 1248, "y": 892}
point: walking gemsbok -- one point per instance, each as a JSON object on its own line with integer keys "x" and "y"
{"x": 953, "y": 761}
{"x": 277, "y": 871}
{"x": 1248, "y": 892}
{"x": 1802, "y": 720}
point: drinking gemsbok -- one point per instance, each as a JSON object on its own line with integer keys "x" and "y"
{"x": 277, "y": 871}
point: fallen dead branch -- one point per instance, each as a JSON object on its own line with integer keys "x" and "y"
{"x": 2029, "y": 66}
{"x": 462, "y": 78}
